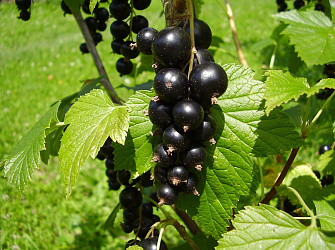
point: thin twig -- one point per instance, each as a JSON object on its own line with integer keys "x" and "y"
{"x": 281, "y": 177}
{"x": 184, "y": 235}
{"x": 233, "y": 30}
{"x": 191, "y": 225}
{"x": 96, "y": 58}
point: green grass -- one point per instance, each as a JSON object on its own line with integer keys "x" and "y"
{"x": 41, "y": 63}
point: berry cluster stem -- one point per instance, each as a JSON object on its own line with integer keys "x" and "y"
{"x": 191, "y": 20}
{"x": 96, "y": 58}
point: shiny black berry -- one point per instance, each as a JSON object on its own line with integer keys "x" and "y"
{"x": 162, "y": 156}
{"x": 202, "y": 56}
{"x": 177, "y": 175}
{"x": 190, "y": 186}
{"x": 194, "y": 156}
{"x": 139, "y": 22}
{"x": 107, "y": 149}
{"x": 119, "y": 9}
{"x": 205, "y": 131}
{"x": 298, "y": 4}
{"x": 202, "y": 34}
{"x": 144, "y": 40}
{"x": 160, "y": 174}
{"x": 160, "y": 114}
{"x": 130, "y": 215}
{"x": 129, "y": 50}
{"x": 141, "y": 4}
{"x": 188, "y": 114}
{"x": 111, "y": 174}
{"x": 83, "y": 48}
{"x": 97, "y": 37}
{"x": 153, "y": 196}
{"x": 167, "y": 195}
{"x": 130, "y": 198}
{"x": 119, "y": 29}
{"x": 147, "y": 210}
{"x": 114, "y": 184}
{"x": 24, "y": 15}
{"x": 282, "y": 7}
{"x": 174, "y": 139}
{"x": 141, "y": 231}
{"x": 65, "y": 8}
{"x": 155, "y": 218}
{"x": 109, "y": 163}
{"x": 123, "y": 176}
{"x": 146, "y": 180}
{"x": 116, "y": 46}
{"x": 128, "y": 227}
{"x": 23, "y": 4}
{"x": 151, "y": 244}
{"x": 171, "y": 85}
{"x": 323, "y": 148}
{"x": 172, "y": 46}
{"x": 101, "y": 26}
{"x": 92, "y": 24}
{"x": 317, "y": 174}
{"x": 124, "y": 66}
{"x": 102, "y": 15}
{"x": 288, "y": 206}
{"x": 327, "y": 180}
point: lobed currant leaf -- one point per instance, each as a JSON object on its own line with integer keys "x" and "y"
{"x": 324, "y": 201}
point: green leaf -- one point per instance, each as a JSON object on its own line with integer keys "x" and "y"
{"x": 74, "y": 5}
{"x": 324, "y": 201}
{"x": 93, "y": 118}
{"x": 243, "y": 130}
{"x": 312, "y": 33}
{"x": 136, "y": 154}
{"x": 93, "y": 3}
{"x": 327, "y": 163}
{"x": 282, "y": 87}
{"x": 258, "y": 46}
{"x": 266, "y": 227}
{"x": 23, "y": 159}
{"x": 203, "y": 242}
{"x": 111, "y": 218}
{"x": 135, "y": 248}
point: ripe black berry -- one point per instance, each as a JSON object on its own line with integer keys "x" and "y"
{"x": 298, "y": 4}
{"x": 202, "y": 56}
{"x": 107, "y": 149}
{"x": 282, "y": 7}
{"x": 141, "y": 4}
{"x": 139, "y": 22}
{"x": 205, "y": 131}
{"x": 317, "y": 174}
{"x": 141, "y": 231}
{"x": 194, "y": 156}
{"x": 92, "y": 24}
{"x": 123, "y": 176}
{"x": 130, "y": 215}
{"x": 319, "y": 7}
{"x": 202, "y": 34}
{"x": 119, "y": 29}
{"x": 101, "y": 26}
{"x": 100, "y": 156}
{"x": 174, "y": 139}
{"x": 167, "y": 195}
{"x": 327, "y": 180}
{"x": 111, "y": 174}
{"x": 128, "y": 227}
{"x": 130, "y": 198}
{"x": 323, "y": 148}
{"x": 83, "y": 48}
{"x": 97, "y": 37}
{"x": 65, "y": 8}
{"x": 190, "y": 186}
{"x": 171, "y": 85}
{"x": 147, "y": 210}
{"x": 23, "y": 4}
{"x": 116, "y": 46}
{"x": 144, "y": 40}
{"x": 162, "y": 156}
{"x": 188, "y": 114}
{"x": 172, "y": 46}
{"x": 124, "y": 66}
{"x": 119, "y": 9}
{"x": 151, "y": 244}
{"x": 177, "y": 175}
{"x": 208, "y": 81}
{"x": 153, "y": 196}
{"x": 146, "y": 180}
{"x": 160, "y": 114}
{"x": 102, "y": 15}
{"x": 288, "y": 206}
{"x": 128, "y": 50}
{"x": 114, "y": 184}
{"x": 24, "y": 15}
{"x": 155, "y": 218}
{"x": 160, "y": 174}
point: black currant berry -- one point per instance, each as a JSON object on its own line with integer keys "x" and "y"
{"x": 101, "y": 26}
{"x": 155, "y": 218}
{"x": 109, "y": 163}
{"x": 86, "y": 7}
{"x": 144, "y": 40}
{"x": 288, "y": 206}
{"x": 160, "y": 114}
{"x": 24, "y": 15}
{"x": 327, "y": 180}
{"x": 202, "y": 34}
{"x": 279, "y": 2}
{"x": 132, "y": 242}
{"x": 167, "y": 195}
{"x": 124, "y": 66}
{"x": 319, "y": 7}
{"x": 298, "y": 4}
{"x": 130, "y": 215}
{"x": 188, "y": 114}
{"x": 194, "y": 156}
{"x": 102, "y": 15}
{"x": 141, "y": 231}
{"x": 146, "y": 180}
{"x": 114, "y": 184}
{"x": 323, "y": 148}
{"x": 324, "y": 93}
{"x": 107, "y": 149}
{"x": 177, "y": 175}
{"x": 123, "y": 176}
{"x": 129, "y": 50}
{"x": 83, "y": 48}
{"x": 202, "y": 56}
{"x": 172, "y": 46}
{"x": 282, "y": 7}
{"x": 160, "y": 174}
{"x": 119, "y": 29}
{"x": 116, "y": 46}
{"x": 139, "y": 22}
{"x": 171, "y": 85}
{"x": 208, "y": 81}
{"x": 163, "y": 157}
{"x": 127, "y": 227}
{"x": 174, "y": 139}
{"x": 97, "y": 37}
{"x": 111, "y": 174}
{"x": 119, "y": 9}
{"x": 141, "y": 4}
{"x": 317, "y": 174}
{"x": 190, "y": 186}
{"x": 147, "y": 210}
{"x": 91, "y": 23}
{"x": 23, "y": 4}
{"x": 130, "y": 198}
{"x": 205, "y": 131}
{"x": 100, "y": 156}
{"x": 329, "y": 70}
{"x": 153, "y": 196}
{"x": 151, "y": 244}
{"x": 65, "y": 8}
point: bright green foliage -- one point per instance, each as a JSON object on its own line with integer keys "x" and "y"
{"x": 24, "y": 158}
{"x": 136, "y": 154}
{"x": 93, "y": 3}
{"x": 312, "y": 33}
{"x": 303, "y": 180}
{"x": 93, "y": 118}
{"x": 267, "y": 227}
{"x": 74, "y": 5}
{"x": 134, "y": 248}
{"x": 282, "y": 87}
{"x": 244, "y": 130}
{"x": 327, "y": 162}
{"x": 324, "y": 201}
{"x": 111, "y": 218}
{"x": 203, "y": 242}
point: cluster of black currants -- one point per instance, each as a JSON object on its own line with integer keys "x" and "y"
{"x": 282, "y": 6}
{"x": 120, "y": 30}
{"x": 319, "y": 6}
{"x": 94, "y": 23}
{"x": 182, "y": 104}
{"x": 329, "y": 72}
{"x": 24, "y": 7}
